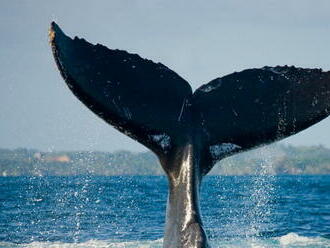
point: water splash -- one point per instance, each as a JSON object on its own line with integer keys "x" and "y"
{"x": 253, "y": 215}
{"x": 262, "y": 194}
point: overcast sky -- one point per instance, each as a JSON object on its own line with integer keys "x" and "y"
{"x": 200, "y": 40}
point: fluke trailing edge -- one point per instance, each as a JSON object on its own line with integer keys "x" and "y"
{"x": 190, "y": 132}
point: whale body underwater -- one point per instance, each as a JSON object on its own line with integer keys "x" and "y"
{"x": 189, "y": 131}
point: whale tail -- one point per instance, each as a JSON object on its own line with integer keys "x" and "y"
{"x": 142, "y": 99}
{"x": 155, "y": 106}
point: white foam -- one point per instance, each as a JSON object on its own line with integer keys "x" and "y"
{"x": 295, "y": 239}
{"x": 291, "y": 240}
{"x": 88, "y": 244}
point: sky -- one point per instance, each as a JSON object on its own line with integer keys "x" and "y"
{"x": 200, "y": 40}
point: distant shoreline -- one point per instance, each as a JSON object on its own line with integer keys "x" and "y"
{"x": 270, "y": 160}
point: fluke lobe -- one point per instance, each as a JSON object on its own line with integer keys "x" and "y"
{"x": 190, "y": 132}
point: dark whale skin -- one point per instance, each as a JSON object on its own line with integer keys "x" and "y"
{"x": 190, "y": 132}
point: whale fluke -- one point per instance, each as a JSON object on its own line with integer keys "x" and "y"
{"x": 138, "y": 97}
{"x": 259, "y": 106}
{"x": 190, "y": 132}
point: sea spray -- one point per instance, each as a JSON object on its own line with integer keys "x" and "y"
{"x": 262, "y": 193}
{"x": 245, "y": 210}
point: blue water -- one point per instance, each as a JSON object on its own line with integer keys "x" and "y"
{"x": 91, "y": 211}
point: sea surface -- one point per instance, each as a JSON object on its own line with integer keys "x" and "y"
{"x": 129, "y": 211}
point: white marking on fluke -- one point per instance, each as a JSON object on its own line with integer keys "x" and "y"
{"x": 208, "y": 88}
{"x": 315, "y": 101}
{"x": 223, "y": 149}
{"x": 182, "y": 108}
{"x": 162, "y": 140}
{"x": 277, "y": 70}
{"x": 127, "y": 113}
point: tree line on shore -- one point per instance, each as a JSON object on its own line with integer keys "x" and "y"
{"x": 274, "y": 160}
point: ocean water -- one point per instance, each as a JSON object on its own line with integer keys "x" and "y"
{"x": 128, "y": 211}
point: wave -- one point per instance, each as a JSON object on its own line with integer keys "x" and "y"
{"x": 87, "y": 244}
{"x": 290, "y": 240}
